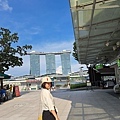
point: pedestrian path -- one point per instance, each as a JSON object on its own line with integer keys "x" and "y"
{"x": 72, "y": 105}
{"x": 28, "y": 106}
{"x": 94, "y": 105}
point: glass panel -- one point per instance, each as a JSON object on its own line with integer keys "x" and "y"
{"x": 84, "y": 1}
{"x": 83, "y": 33}
{"x": 73, "y": 2}
{"x": 65, "y": 60}
{"x": 50, "y": 64}
{"x": 35, "y": 65}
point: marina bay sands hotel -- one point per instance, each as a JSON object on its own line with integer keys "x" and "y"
{"x": 50, "y": 62}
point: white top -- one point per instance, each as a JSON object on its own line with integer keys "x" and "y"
{"x": 47, "y": 100}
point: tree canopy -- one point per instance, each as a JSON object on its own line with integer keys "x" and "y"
{"x": 75, "y": 55}
{"x": 10, "y": 53}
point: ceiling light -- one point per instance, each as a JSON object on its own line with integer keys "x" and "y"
{"x": 118, "y": 44}
{"x": 107, "y": 44}
{"x": 114, "y": 48}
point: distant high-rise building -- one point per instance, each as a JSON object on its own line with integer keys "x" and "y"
{"x": 65, "y": 61}
{"x": 35, "y": 65}
{"x": 50, "y": 63}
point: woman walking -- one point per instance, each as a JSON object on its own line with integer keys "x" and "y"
{"x": 48, "y": 105}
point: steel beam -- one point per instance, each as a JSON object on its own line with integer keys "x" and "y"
{"x": 100, "y": 34}
{"x": 101, "y": 28}
{"x": 90, "y": 57}
{"x": 90, "y": 50}
{"x": 87, "y": 4}
{"x": 97, "y": 7}
{"x": 105, "y": 7}
{"x": 102, "y": 22}
{"x": 99, "y": 42}
{"x": 110, "y": 39}
{"x": 98, "y": 27}
{"x": 105, "y": 51}
{"x": 92, "y": 15}
{"x": 94, "y": 47}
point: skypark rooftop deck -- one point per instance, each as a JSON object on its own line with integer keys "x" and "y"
{"x": 45, "y": 53}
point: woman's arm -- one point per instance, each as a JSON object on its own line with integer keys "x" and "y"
{"x": 50, "y": 104}
{"x": 55, "y": 115}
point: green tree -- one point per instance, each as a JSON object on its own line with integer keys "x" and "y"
{"x": 10, "y": 53}
{"x": 75, "y": 55}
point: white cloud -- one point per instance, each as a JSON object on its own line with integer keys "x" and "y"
{"x": 33, "y": 31}
{"x": 54, "y": 46}
{"x": 59, "y": 70}
{"x": 77, "y": 67}
{"x": 5, "y": 6}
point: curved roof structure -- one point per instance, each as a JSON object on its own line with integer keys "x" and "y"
{"x": 96, "y": 25}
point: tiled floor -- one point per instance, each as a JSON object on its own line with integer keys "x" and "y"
{"x": 28, "y": 106}
{"x": 79, "y": 105}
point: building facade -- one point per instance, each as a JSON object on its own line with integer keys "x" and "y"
{"x": 65, "y": 61}
{"x": 50, "y": 63}
{"x": 35, "y": 65}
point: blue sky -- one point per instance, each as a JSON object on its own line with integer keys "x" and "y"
{"x": 44, "y": 24}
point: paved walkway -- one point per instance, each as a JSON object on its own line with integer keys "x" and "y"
{"x": 72, "y": 105}
{"x": 28, "y": 107}
{"x": 97, "y": 105}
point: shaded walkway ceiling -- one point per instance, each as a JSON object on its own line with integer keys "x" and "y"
{"x": 96, "y": 26}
